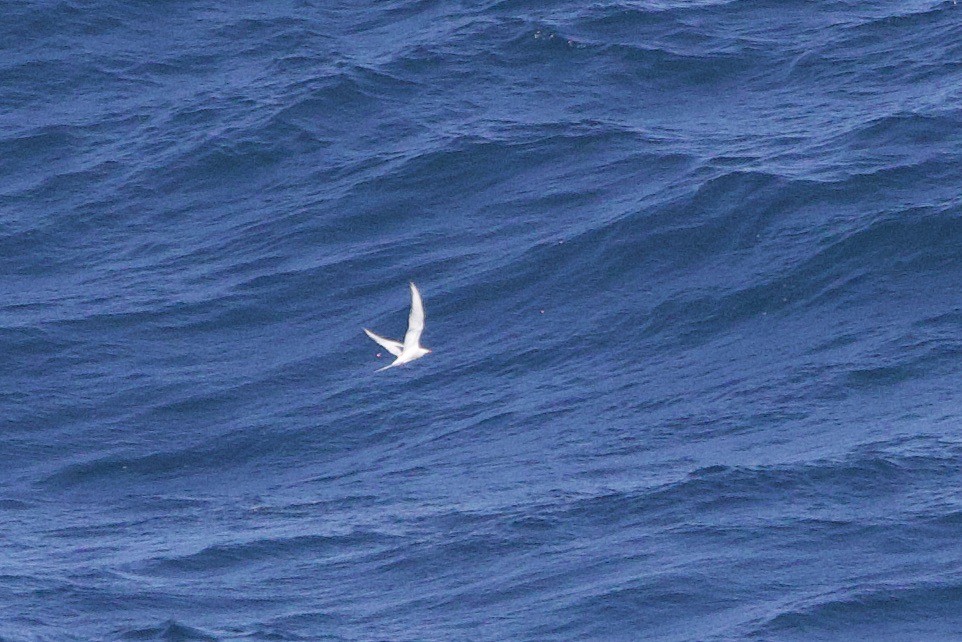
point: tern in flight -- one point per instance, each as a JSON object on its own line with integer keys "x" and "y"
{"x": 411, "y": 348}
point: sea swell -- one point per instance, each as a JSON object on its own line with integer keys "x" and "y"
{"x": 690, "y": 272}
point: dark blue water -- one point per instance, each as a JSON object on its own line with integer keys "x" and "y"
{"x": 693, "y": 279}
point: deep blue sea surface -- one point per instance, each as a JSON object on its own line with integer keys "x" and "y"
{"x": 693, "y": 280}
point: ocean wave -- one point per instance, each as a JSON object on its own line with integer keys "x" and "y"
{"x": 690, "y": 272}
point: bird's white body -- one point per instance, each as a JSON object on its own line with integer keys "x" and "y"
{"x": 411, "y": 348}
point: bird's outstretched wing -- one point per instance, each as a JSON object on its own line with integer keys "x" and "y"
{"x": 394, "y": 347}
{"x": 412, "y": 338}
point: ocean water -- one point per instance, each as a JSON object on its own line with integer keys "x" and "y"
{"x": 692, "y": 274}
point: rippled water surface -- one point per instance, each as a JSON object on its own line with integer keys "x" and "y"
{"x": 692, "y": 275}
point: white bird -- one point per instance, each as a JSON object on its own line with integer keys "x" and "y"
{"x": 411, "y": 348}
